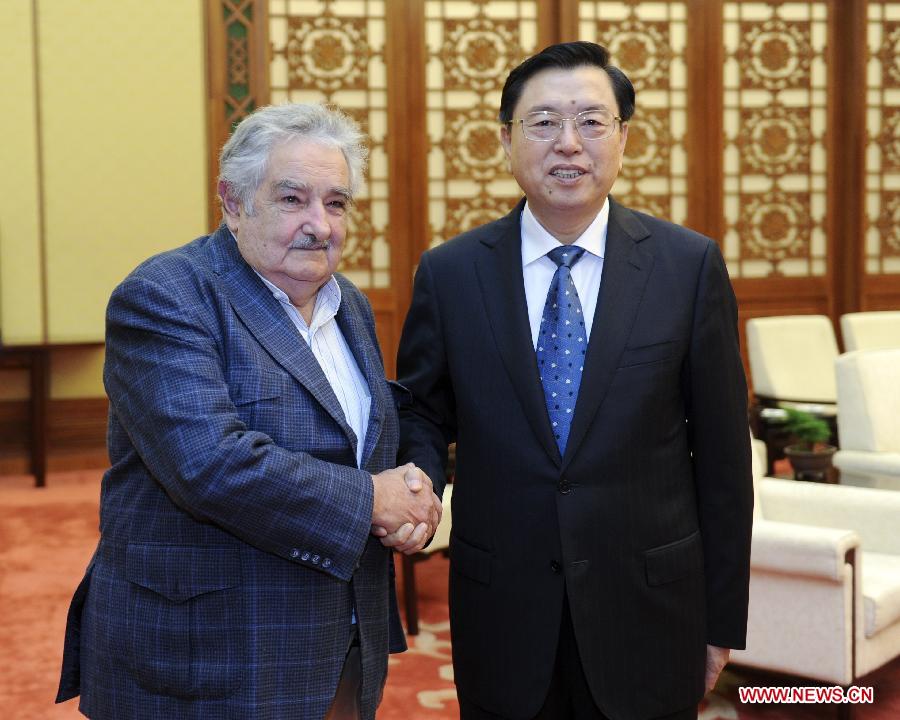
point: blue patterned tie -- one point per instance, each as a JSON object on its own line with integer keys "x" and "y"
{"x": 561, "y": 344}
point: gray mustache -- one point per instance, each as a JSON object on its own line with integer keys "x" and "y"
{"x": 309, "y": 242}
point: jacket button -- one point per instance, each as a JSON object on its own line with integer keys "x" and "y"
{"x": 305, "y": 555}
{"x": 555, "y": 567}
{"x": 564, "y": 487}
{"x": 315, "y": 559}
{"x": 326, "y": 563}
{"x": 295, "y": 553}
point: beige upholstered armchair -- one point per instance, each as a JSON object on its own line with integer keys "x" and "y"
{"x": 824, "y": 581}
{"x": 874, "y": 330}
{"x": 792, "y": 358}
{"x": 791, "y": 365}
{"x": 868, "y": 384}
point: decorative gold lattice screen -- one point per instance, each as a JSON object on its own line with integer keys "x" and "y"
{"x": 470, "y": 48}
{"x": 882, "y": 240}
{"x": 802, "y": 192}
{"x": 775, "y": 157}
{"x": 647, "y": 41}
{"x": 333, "y": 51}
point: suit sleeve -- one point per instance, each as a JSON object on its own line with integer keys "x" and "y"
{"x": 427, "y": 416}
{"x": 164, "y": 375}
{"x": 716, "y": 392}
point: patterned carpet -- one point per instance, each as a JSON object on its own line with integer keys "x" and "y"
{"x": 46, "y": 539}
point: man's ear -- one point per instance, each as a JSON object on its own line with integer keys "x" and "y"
{"x": 505, "y": 137}
{"x": 231, "y": 206}
{"x": 622, "y": 141}
{"x": 505, "y": 140}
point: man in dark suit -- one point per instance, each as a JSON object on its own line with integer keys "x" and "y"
{"x": 253, "y": 440}
{"x": 585, "y": 360}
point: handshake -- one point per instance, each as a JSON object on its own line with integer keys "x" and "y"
{"x": 406, "y": 512}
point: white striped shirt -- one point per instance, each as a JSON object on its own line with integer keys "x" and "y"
{"x": 330, "y": 348}
{"x": 538, "y": 269}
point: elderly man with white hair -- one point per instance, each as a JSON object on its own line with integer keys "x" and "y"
{"x": 244, "y": 567}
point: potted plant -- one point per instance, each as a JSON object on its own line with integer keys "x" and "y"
{"x": 809, "y": 453}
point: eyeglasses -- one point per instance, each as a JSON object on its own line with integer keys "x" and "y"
{"x": 546, "y": 126}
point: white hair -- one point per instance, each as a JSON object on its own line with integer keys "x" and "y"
{"x": 244, "y": 160}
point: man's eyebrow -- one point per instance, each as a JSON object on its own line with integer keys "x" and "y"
{"x": 343, "y": 192}
{"x": 290, "y": 185}
{"x": 303, "y": 187}
{"x": 542, "y": 108}
{"x": 555, "y": 109}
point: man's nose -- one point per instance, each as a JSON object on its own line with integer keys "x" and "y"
{"x": 315, "y": 221}
{"x": 569, "y": 140}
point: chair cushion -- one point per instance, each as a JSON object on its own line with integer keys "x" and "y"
{"x": 792, "y": 357}
{"x": 868, "y": 388}
{"x": 881, "y": 590}
{"x": 872, "y": 330}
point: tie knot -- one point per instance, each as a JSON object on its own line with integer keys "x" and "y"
{"x": 566, "y": 255}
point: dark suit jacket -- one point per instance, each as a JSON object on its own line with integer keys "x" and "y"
{"x": 235, "y": 525}
{"x": 646, "y": 519}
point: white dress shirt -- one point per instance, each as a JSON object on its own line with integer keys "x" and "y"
{"x": 330, "y": 348}
{"x": 538, "y": 269}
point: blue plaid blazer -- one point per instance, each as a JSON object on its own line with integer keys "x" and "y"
{"x": 235, "y": 526}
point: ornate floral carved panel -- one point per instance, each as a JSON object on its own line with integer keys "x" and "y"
{"x": 775, "y": 122}
{"x": 333, "y": 51}
{"x": 882, "y": 241}
{"x": 647, "y": 41}
{"x": 470, "y": 47}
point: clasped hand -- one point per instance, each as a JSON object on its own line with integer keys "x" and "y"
{"x": 406, "y": 512}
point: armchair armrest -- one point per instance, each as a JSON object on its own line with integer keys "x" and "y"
{"x": 801, "y": 549}
{"x": 872, "y": 514}
{"x": 869, "y": 463}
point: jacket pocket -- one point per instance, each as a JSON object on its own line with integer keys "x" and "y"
{"x": 252, "y": 385}
{"x": 647, "y": 354}
{"x": 261, "y": 399}
{"x": 186, "y": 624}
{"x": 470, "y": 561}
{"x": 674, "y": 561}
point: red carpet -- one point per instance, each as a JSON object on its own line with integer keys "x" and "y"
{"x": 46, "y": 539}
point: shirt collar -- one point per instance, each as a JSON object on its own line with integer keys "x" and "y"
{"x": 537, "y": 242}
{"x": 328, "y": 299}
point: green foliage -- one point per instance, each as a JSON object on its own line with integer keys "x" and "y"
{"x": 806, "y": 428}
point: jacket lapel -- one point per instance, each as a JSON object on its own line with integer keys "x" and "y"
{"x": 267, "y": 321}
{"x": 626, "y": 269}
{"x": 498, "y": 266}
{"x": 368, "y": 359}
